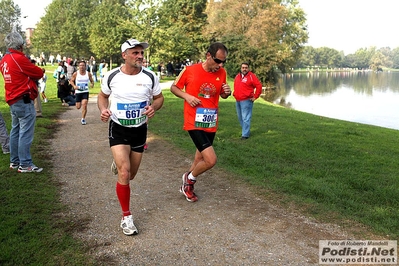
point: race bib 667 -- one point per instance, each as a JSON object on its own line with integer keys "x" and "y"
{"x": 131, "y": 113}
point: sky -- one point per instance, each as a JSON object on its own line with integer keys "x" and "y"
{"x": 344, "y": 25}
{"x": 348, "y": 25}
{"x": 33, "y": 9}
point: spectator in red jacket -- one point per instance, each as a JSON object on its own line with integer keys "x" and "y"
{"x": 20, "y": 82}
{"x": 247, "y": 88}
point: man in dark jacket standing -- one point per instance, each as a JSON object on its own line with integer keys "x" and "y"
{"x": 247, "y": 88}
{"x": 20, "y": 81}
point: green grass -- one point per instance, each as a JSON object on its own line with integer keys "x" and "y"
{"x": 33, "y": 228}
{"x": 332, "y": 170}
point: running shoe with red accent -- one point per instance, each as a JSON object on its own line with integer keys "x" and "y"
{"x": 128, "y": 226}
{"x": 187, "y": 188}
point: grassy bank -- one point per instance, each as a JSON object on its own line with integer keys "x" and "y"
{"x": 33, "y": 229}
{"x": 332, "y": 170}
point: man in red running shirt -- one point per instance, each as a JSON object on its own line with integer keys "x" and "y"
{"x": 200, "y": 86}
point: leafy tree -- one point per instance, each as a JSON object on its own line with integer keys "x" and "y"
{"x": 294, "y": 35}
{"x": 363, "y": 57}
{"x": 64, "y": 28}
{"x": 144, "y": 23}
{"x": 75, "y": 31}
{"x": 388, "y": 56}
{"x": 377, "y": 61}
{"x": 109, "y": 29}
{"x": 307, "y": 58}
{"x": 395, "y": 58}
{"x": 46, "y": 34}
{"x": 349, "y": 61}
{"x": 10, "y": 15}
{"x": 266, "y": 33}
{"x": 328, "y": 57}
{"x": 182, "y": 22}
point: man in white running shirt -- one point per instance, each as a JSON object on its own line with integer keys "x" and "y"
{"x": 80, "y": 82}
{"x": 136, "y": 95}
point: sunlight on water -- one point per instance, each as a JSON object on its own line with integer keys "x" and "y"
{"x": 364, "y": 97}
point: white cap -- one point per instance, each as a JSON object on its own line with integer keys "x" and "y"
{"x": 133, "y": 43}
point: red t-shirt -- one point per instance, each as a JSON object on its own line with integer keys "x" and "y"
{"x": 206, "y": 86}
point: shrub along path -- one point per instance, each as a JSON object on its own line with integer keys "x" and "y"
{"x": 229, "y": 225}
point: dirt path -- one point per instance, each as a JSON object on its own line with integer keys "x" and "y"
{"x": 229, "y": 225}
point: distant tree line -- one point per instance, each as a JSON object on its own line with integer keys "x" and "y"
{"x": 364, "y": 58}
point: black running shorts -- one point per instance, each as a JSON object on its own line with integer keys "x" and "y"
{"x": 133, "y": 136}
{"x": 81, "y": 96}
{"x": 202, "y": 139}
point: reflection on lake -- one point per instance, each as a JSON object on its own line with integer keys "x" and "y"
{"x": 364, "y": 97}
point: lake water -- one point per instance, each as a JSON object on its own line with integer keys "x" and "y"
{"x": 364, "y": 97}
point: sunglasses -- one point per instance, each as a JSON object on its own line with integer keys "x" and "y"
{"x": 218, "y": 61}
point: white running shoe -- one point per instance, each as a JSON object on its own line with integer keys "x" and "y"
{"x": 29, "y": 169}
{"x": 83, "y": 121}
{"x": 128, "y": 226}
{"x": 114, "y": 170}
{"x": 14, "y": 166}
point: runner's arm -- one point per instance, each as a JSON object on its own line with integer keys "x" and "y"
{"x": 155, "y": 105}
{"x": 191, "y": 100}
{"x": 226, "y": 91}
{"x": 102, "y": 104}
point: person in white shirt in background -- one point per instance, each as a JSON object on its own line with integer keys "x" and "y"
{"x": 42, "y": 86}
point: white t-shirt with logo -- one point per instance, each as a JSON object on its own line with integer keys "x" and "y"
{"x": 129, "y": 95}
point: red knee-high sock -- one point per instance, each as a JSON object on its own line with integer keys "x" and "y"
{"x": 123, "y": 193}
